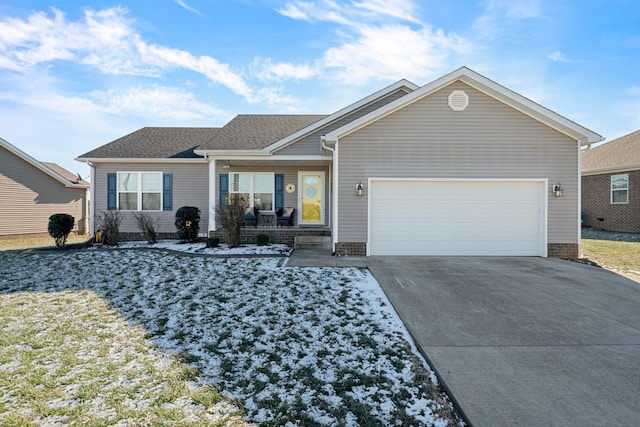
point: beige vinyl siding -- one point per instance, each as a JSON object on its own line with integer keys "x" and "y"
{"x": 290, "y": 177}
{"x": 311, "y": 145}
{"x": 190, "y": 188}
{"x": 428, "y": 140}
{"x": 28, "y": 197}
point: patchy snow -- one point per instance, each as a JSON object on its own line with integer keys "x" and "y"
{"x": 294, "y": 345}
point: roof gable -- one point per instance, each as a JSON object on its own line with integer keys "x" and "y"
{"x": 483, "y": 84}
{"x": 401, "y": 85}
{"x": 55, "y": 171}
{"x": 619, "y": 154}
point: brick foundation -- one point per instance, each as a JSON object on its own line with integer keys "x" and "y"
{"x": 282, "y": 235}
{"x": 563, "y": 250}
{"x": 351, "y": 249}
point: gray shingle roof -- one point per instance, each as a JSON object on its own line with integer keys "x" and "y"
{"x": 155, "y": 143}
{"x": 244, "y": 132}
{"x": 254, "y": 132}
{"x": 620, "y": 152}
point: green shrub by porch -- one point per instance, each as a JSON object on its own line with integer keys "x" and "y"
{"x": 188, "y": 223}
{"x": 60, "y": 225}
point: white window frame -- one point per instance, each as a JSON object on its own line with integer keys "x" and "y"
{"x": 626, "y": 189}
{"x": 251, "y": 187}
{"x": 139, "y": 191}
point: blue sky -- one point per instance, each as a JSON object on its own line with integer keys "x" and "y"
{"x": 75, "y": 75}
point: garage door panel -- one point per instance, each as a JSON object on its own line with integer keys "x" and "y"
{"x": 455, "y": 218}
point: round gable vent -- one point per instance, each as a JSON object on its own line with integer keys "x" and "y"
{"x": 458, "y": 100}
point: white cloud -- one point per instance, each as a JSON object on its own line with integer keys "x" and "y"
{"x": 557, "y": 56}
{"x": 265, "y": 70}
{"x": 375, "y": 54}
{"x": 107, "y": 41}
{"x": 184, "y": 5}
{"x": 156, "y": 102}
{"x": 503, "y": 18}
{"x": 634, "y": 90}
{"x": 378, "y": 40}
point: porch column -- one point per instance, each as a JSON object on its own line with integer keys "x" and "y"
{"x": 212, "y": 194}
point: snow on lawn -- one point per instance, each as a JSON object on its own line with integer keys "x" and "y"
{"x": 296, "y": 346}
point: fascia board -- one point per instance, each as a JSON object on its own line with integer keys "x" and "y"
{"x": 227, "y": 153}
{"x": 470, "y": 77}
{"x": 33, "y": 162}
{"x": 96, "y": 160}
{"x": 611, "y": 169}
{"x": 342, "y": 112}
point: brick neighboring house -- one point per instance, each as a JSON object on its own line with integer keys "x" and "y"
{"x": 611, "y": 185}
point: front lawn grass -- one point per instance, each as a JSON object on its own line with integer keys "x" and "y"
{"x": 66, "y": 358}
{"x": 614, "y": 255}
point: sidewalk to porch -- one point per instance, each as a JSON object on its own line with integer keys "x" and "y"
{"x": 323, "y": 258}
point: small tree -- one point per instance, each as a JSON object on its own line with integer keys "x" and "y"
{"x": 147, "y": 225}
{"x": 110, "y": 225}
{"x": 231, "y": 217}
{"x": 60, "y": 225}
{"x": 188, "y": 223}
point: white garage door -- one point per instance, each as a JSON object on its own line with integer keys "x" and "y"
{"x": 457, "y": 218}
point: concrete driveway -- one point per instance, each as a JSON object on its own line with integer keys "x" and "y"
{"x": 523, "y": 341}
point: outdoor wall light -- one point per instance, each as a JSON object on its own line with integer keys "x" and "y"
{"x": 359, "y": 189}
{"x": 557, "y": 190}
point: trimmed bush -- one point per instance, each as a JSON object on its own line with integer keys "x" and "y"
{"x": 188, "y": 223}
{"x": 212, "y": 242}
{"x": 110, "y": 226}
{"x": 60, "y": 225}
{"x": 262, "y": 239}
{"x": 148, "y": 225}
{"x": 230, "y": 217}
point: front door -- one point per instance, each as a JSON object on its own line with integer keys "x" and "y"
{"x": 311, "y": 197}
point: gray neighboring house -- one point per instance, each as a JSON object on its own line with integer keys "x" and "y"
{"x": 460, "y": 166}
{"x": 611, "y": 185}
{"x": 32, "y": 191}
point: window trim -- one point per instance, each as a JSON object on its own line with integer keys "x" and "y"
{"x": 139, "y": 191}
{"x": 251, "y": 187}
{"x": 613, "y": 190}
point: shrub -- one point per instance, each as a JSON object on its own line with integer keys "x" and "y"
{"x": 148, "y": 225}
{"x": 60, "y": 225}
{"x": 262, "y": 239}
{"x": 231, "y": 217}
{"x": 110, "y": 225}
{"x": 188, "y": 223}
{"x": 213, "y": 242}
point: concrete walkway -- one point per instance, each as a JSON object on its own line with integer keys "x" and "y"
{"x": 518, "y": 341}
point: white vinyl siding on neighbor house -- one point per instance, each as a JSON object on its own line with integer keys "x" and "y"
{"x": 28, "y": 197}
{"x": 620, "y": 189}
{"x": 426, "y": 139}
{"x": 451, "y": 217}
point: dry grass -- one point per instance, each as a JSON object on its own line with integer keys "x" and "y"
{"x": 31, "y": 241}
{"x": 614, "y": 255}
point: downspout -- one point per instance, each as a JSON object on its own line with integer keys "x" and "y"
{"x": 334, "y": 192}
{"x": 92, "y": 201}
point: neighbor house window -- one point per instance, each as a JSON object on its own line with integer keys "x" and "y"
{"x": 140, "y": 191}
{"x": 620, "y": 188}
{"x": 252, "y": 189}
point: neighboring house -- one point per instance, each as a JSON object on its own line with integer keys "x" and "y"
{"x": 611, "y": 185}
{"x": 460, "y": 166}
{"x": 32, "y": 191}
